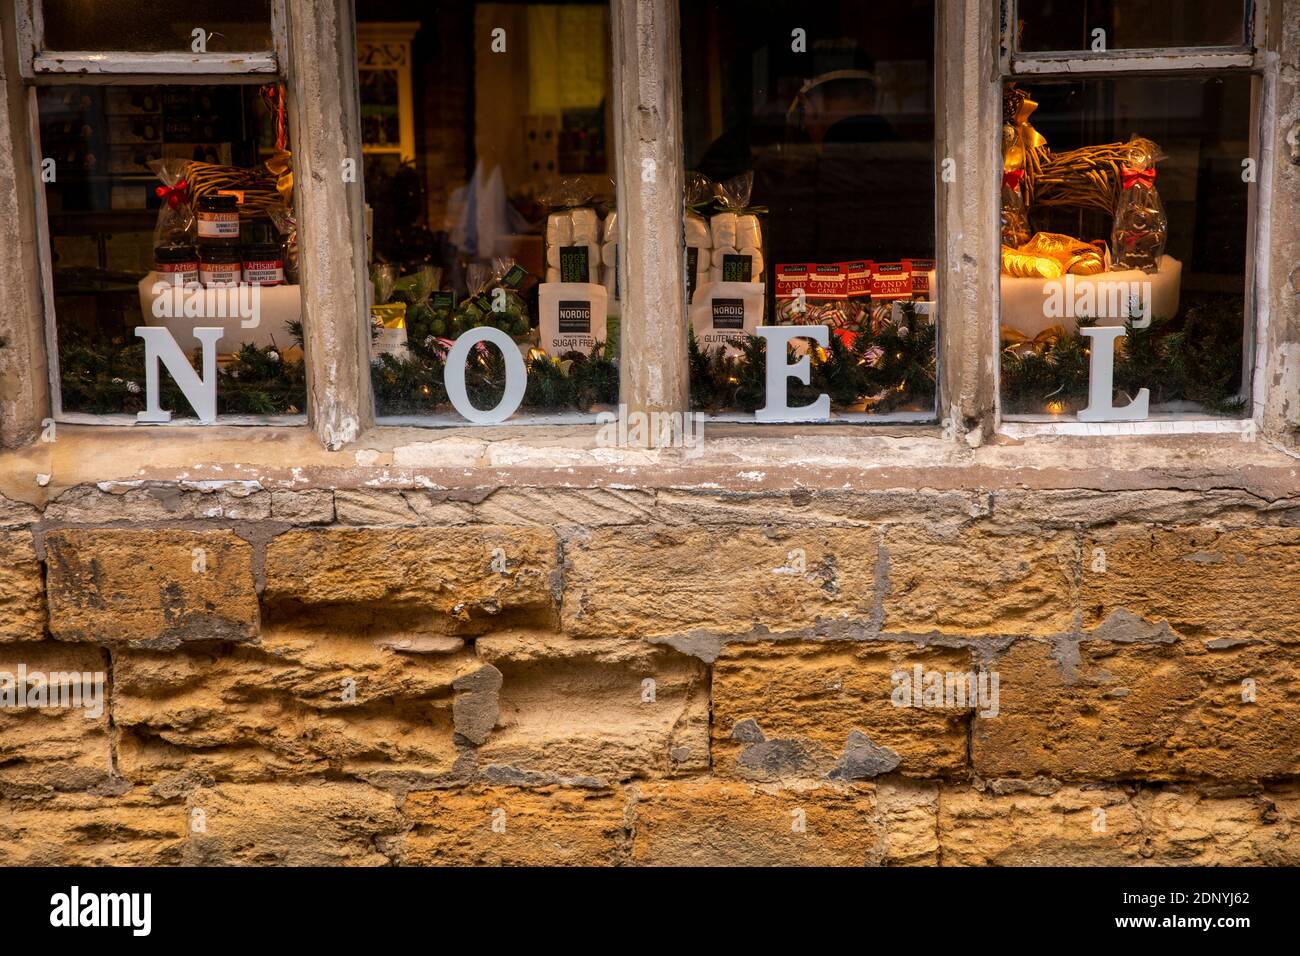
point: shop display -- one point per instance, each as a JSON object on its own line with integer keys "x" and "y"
{"x": 888, "y": 369}
{"x": 1052, "y": 284}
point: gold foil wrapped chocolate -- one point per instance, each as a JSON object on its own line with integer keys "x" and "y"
{"x": 1023, "y": 265}
{"x": 1069, "y": 255}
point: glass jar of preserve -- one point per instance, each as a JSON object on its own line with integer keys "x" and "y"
{"x": 176, "y": 264}
{"x": 219, "y": 266}
{"x": 218, "y": 220}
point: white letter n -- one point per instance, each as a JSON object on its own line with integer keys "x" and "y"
{"x": 201, "y": 393}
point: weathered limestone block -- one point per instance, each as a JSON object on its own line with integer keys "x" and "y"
{"x": 447, "y": 580}
{"x": 303, "y": 702}
{"x": 807, "y": 698}
{"x": 278, "y": 824}
{"x": 808, "y": 507}
{"x": 662, "y": 580}
{"x": 1205, "y": 583}
{"x": 63, "y": 747}
{"x": 603, "y": 709}
{"x": 22, "y": 592}
{"x": 1104, "y": 826}
{"x": 720, "y": 823}
{"x": 150, "y": 588}
{"x": 309, "y": 506}
{"x": 88, "y": 504}
{"x": 588, "y": 507}
{"x": 1164, "y": 710}
{"x": 1186, "y": 829}
{"x": 1074, "y": 826}
{"x": 975, "y": 582}
{"x": 372, "y": 507}
{"x": 134, "y": 829}
{"x": 512, "y": 826}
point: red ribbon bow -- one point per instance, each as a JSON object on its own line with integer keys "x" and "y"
{"x": 1011, "y": 178}
{"x": 1131, "y": 177}
{"x": 175, "y": 195}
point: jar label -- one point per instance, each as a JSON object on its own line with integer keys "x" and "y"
{"x": 219, "y": 275}
{"x": 218, "y": 225}
{"x": 264, "y": 272}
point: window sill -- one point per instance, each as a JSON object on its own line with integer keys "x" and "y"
{"x": 733, "y": 459}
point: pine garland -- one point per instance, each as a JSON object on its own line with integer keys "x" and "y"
{"x": 103, "y": 376}
{"x": 414, "y": 386}
{"x": 888, "y": 370}
{"x": 1195, "y": 358}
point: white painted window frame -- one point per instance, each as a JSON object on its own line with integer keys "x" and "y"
{"x": 45, "y": 68}
{"x": 1252, "y": 58}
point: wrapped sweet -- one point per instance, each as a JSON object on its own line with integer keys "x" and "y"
{"x": 1015, "y": 216}
{"x": 1141, "y": 227}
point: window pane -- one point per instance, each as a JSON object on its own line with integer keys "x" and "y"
{"x": 128, "y": 25}
{"x": 1095, "y": 234}
{"x": 488, "y": 164}
{"x": 1129, "y": 24}
{"x": 830, "y": 113}
{"x": 119, "y": 247}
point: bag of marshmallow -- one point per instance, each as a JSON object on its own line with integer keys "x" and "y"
{"x": 574, "y": 234}
{"x": 736, "y": 234}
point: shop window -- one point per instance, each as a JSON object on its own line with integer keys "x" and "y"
{"x": 168, "y": 212}
{"x": 1126, "y": 207}
{"x": 809, "y": 142}
{"x": 179, "y": 26}
{"x": 490, "y": 206}
{"x": 1099, "y": 26}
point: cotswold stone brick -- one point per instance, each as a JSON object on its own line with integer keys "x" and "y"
{"x": 1075, "y": 826}
{"x": 1188, "y": 829}
{"x": 310, "y": 824}
{"x": 1099, "y": 826}
{"x": 808, "y": 697}
{"x": 304, "y": 702}
{"x": 150, "y": 588}
{"x": 979, "y": 583}
{"x": 442, "y": 579}
{"x": 602, "y": 709}
{"x": 62, "y": 747}
{"x": 715, "y": 822}
{"x": 310, "y": 506}
{"x": 1206, "y": 583}
{"x": 565, "y": 506}
{"x": 1106, "y": 710}
{"x": 665, "y": 580}
{"x": 509, "y": 826}
{"x": 84, "y": 830}
{"x": 22, "y": 593}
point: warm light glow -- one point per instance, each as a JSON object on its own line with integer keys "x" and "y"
{"x": 1055, "y": 408}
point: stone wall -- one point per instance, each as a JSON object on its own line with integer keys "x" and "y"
{"x": 652, "y": 675}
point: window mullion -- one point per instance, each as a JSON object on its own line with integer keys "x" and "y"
{"x": 649, "y": 162}
{"x": 326, "y": 133}
{"x": 968, "y": 105}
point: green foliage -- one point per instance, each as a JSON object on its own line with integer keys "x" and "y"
{"x": 884, "y": 371}
{"x": 414, "y": 386}
{"x": 103, "y": 376}
{"x": 1195, "y": 357}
